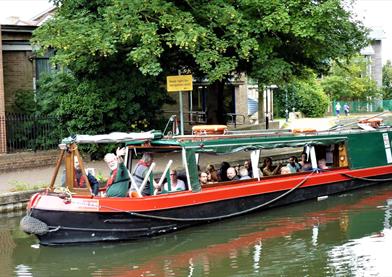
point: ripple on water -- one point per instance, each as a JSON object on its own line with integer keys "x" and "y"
{"x": 366, "y": 256}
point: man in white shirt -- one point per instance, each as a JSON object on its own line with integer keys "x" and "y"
{"x": 176, "y": 184}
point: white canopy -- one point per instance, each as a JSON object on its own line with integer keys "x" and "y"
{"x": 115, "y": 137}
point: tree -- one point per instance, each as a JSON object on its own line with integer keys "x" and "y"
{"x": 303, "y": 95}
{"x": 387, "y": 80}
{"x": 348, "y": 80}
{"x": 271, "y": 41}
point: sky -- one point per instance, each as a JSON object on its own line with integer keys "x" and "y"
{"x": 377, "y": 13}
{"x": 374, "y": 13}
{"x": 25, "y": 9}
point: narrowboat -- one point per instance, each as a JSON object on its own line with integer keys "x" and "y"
{"x": 352, "y": 159}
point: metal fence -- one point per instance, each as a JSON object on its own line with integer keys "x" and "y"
{"x": 364, "y": 106}
{"x": 31, "y": 132}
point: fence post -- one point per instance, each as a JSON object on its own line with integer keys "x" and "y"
{"x": 3, "y": 134}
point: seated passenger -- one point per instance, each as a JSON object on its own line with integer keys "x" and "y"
{"x": 117, "y": 184}
{"x": 232, "y": 174}
{"x": 293, "y": 166}
{"x": 203, "y": 178}
{"x": 222, "y": 172}
{"x": 244, "y": 174}
{"x": 237, "y": 168}
{"x": 285, "y": 170}
{"x": 304, "y": 163}
{"x": 212, "y": 174}
{"x": 322, "y": 164}
{"x": 175, "y": 183}
{"x": 248, "y": 166}
{"x": 268, "y": 169}
{"x": 80, "y": 179}
{"x": 140, "y": 171}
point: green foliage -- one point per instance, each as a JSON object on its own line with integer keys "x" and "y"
{"x": 387, "y": 80}
{"x": 348, "y": 80}
{"x": 24, "y": 102}
{"x": 306, "y": 96}
{"x": 272, "y": 41}
{"x": 118, "y": 52}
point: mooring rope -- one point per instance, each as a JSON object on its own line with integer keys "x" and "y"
{"x": 215, "y": 217}
{"x": 366, "y": 179}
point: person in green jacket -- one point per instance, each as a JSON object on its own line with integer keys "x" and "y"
{"x": 118, "y": 182}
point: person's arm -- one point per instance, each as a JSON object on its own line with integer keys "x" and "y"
{"x": 267, "y": 172}
{"x": 277, "y": 169}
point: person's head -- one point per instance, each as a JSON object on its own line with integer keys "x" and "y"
{"x": 267, "y": 162}
{"x": 285, "y": 170}
{"x": 304, "y": 157}
{"x": 224, "y": 166}
{"x": 203, "y": 177}
{"x": 292, "y": 160}
{"x": 231, "y": 173}
{"x": 111, "y": 161}
{"x": 76, "y": 163}
{"x": 210, "y": 168}
{"x": 173, "y": 175}
{"x": 247, "y": 164}
{"x": 243, "y": 171}
{"x": 147, "y": 158}
{"x": 322, "y": 163}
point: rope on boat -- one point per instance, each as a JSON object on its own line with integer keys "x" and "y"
{"x": 216, "y": 217}
{"x": 366, "y": 179}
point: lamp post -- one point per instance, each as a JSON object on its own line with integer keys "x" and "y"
{"x": 287, "y": 108}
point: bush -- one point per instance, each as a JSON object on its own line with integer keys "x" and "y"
{"x": 306, "y": 96}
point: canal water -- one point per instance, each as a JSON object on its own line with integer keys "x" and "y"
{"x": 343, "y": 235}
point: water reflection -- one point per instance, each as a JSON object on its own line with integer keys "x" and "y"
{"x": 345, "y": 235}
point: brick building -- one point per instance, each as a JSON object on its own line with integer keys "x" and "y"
{"x": 18, "y": 66}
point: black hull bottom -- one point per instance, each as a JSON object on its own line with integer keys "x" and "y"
{"x": 87, "y": 227}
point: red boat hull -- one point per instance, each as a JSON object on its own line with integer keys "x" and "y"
{"x": 110, "y": 219}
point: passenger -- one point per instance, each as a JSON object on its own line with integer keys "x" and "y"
{"x": 322, "y": 164}
{"x": 140, "y": 171}
{"x": 175, "y": 183}
{"x": 212, "y": 174}
{"x": 232, "y": 174}
{"x": 117, "y": 184}
{"x": 248, "y": 166}
{"x": 293, "y": 166}
{"x": 203, "y": 178}
{"x": 237, "y": 168}
{"x": 222, "y": 172}
{"x": 268, "y": 169}
{"x": 305, "y": 165}
{"x": 80, "y": 180}
{"x": 285, "y": 170}
{"x": 244, "y": 174}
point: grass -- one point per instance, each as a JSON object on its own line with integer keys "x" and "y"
{"x": 21, "y": 186}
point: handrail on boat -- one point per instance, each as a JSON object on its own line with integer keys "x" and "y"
{"x": 146, "y": 179}
{"x": 163, "y": 176}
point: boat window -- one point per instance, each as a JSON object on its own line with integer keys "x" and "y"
{"x": 166, "y": 160}
{"x": 242, "y": 159}
{"x": 307, "y": 158}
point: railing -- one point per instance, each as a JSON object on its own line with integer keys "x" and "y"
{"x": 235, "y": 119}
{"x": 30, "y": 132}
{"x": 192, "y": 117}
{"x": 370, "y": 106}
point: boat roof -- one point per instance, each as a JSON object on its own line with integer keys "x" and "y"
{"x": 251, "y": 140}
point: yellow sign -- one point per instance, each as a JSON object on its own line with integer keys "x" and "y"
{"x": 179, "y": 83}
